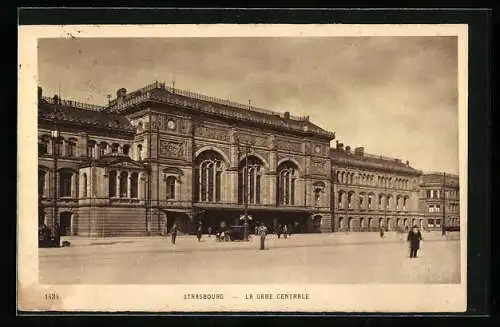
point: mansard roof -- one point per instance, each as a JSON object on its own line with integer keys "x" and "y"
{"x": 370, "y": 161}
{"x": 86, "y": 115}
{"x": 158, "y": 92}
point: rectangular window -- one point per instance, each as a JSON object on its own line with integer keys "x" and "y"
{"x": 438, "y": 208}
{"x": 438, "y": 222}
{"x": 431, "y": 208}
{"x": 430, "y": 223}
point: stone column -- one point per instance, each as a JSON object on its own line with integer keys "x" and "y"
{"x": 97, "y": 151}
{"x": 73, "y": 186}
{"x": 129, "y": 185}
{"x": 118, "y": 184}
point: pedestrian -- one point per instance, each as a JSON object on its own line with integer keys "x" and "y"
{"x": 173, "y": 231}
{"x": 198, "y": 233}
{"x": 256, "y": 230}
{"x": 263, "y": 233}
{"x": 290, "y": 230}
{"x": 278, "y": 231}
{"x": 57, "y": 235}
{"x": 414, "y": 237}
{"x": 209, "y": 231}
{"x": 285, "y": 231}
{"x": 382, "y": 232}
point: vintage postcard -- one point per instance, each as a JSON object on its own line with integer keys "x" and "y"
{"x": 284, "y": 168}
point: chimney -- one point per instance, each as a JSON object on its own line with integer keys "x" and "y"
{"x": 120, "y": 95}
{"x": 40, "y": 92}
{"x": 348, "y": 149}
{"x": 359, "y": 151}
{"x": 287, "y": 114}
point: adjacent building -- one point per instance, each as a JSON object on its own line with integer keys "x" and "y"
{"x": 373, "y": 192}
{"x": 159, "y": 155}
{"x": 440, "y": 201}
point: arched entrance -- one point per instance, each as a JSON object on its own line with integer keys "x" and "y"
{"x": 65, "y": 223}
{"x": 349, "y": 224}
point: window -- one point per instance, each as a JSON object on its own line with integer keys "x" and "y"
{"x": 370, "y": 200}
{"x": 71, "y": 148}
{"x": 405, "y": 201}
{"x": 58, "y": 147}
{"x": 84, "y": 185}
{"x": 430, "y": 223}
{"x": 431, "y": 208}
{"x": 139, "y": 152}
{"x": 286, "y": 183}
{"x": 249, "y": 181}
{"x": 91, "y": 149}
{"x": 123, "y": 184}
{"x": 65, "y": 183}
{"x": 134, "y": 183}
{"x": 114, "y": 148}
{"x": 438, "y": 208}
{"x": 438, "y": 222}
{"x": 388, "y": 202}
{"x": 349, "y": 200}
{"x": 41, "y": 182}
{"x": 43, "y": 146}
{"x": 112, "y": 183}
{"x": 208, "y": 174}
{"x": 170, "y": 182}
{"x": 361, "y": 201}
{"x": 317, "y": 195}
{"x": 398, "y": 200}
{"x": 380, "y": 201}
{"x": 103, "y": 149}
{"x": 126, "y": 149}
{"x": 339, "y": 200}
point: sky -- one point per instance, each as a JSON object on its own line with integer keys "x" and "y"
{"x": 394, "y": 96}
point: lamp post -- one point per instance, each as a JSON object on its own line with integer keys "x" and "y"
{"x": 245, "y": 190}
{"x": 55, "y": 140}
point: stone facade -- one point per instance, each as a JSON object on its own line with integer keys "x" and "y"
{"x": 372, "y": 192}
{"x": 159, "y": 156}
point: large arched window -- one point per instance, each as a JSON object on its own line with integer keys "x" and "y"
{"x": 287, "y": 175}
{"x": 249, "y": 180}
{"x": 84, "y": 185}
{"x": 209, "y": 167}
{"x": 170, "y": 181}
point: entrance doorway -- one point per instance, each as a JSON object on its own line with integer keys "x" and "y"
{"x": 65, "y": 223}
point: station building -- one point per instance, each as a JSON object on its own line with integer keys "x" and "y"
{"x": 160, "y": 155}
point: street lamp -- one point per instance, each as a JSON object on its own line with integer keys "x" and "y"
{"x": 245, "y": 189}
{"x": 55, "y": 140}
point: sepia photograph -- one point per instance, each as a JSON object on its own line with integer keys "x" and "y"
{"x": 262, "y": 159}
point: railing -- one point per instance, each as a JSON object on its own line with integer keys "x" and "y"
{"x": 198, "y": 96}
{"x": 74, "y": 104}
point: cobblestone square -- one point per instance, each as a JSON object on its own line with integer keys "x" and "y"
{"x": 339, "y": 258}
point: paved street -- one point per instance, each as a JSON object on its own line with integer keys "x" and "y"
{"x": 337, "y": 258}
